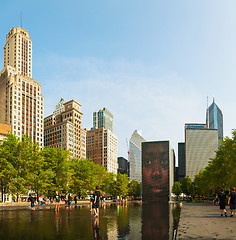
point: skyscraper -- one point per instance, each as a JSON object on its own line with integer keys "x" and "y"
{"x": 102, "y": 142}
{"x": 101, "y": 147}
{"x": 135, "y": 149}
{"x": 63, "y": 129}
{"x": 103, "y": 119}
{"x": 200, "y": 146}
{"x": 214, "y": 119}
{"x": 20, "y": 95}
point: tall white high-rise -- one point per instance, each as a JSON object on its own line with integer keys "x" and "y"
{"x": 135, "y": 148}
{"x": 21, "y": 99}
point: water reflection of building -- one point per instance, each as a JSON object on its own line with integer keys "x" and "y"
{"x": 159, "y": 220}
{"x": 157, "y": 170}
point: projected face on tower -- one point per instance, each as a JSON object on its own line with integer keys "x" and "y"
{"x": 155, "y": 170}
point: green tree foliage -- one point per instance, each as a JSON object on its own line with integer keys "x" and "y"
{"x": 25, "y": 166}
{"x": 187, "y": 186}
{"x": 177, "y": 189}
{"x": 85, "y": 175}
{"x": 56, "y": 165}
{"x": 134, "y": 189}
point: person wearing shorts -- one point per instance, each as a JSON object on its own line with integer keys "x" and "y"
{"x": 57, "y": 197}
{"x": 31, "y": 199}
{"x": 69, "y": 201}
{"x": 96, "y": 201}
{"x": 232, "y": 202}
{"x": 222, "y": 198}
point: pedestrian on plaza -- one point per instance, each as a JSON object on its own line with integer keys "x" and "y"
{"x": 75, "y": 199}
{"x": 69, "y": 201}
{"x": 232, "y": 202}
{"x": 32, "y": 200}
{"x": 222, "y": 198}
{"x": 96, "y": 201}
{"x": 91, "y": 202}
{"x": 57, "y": 197}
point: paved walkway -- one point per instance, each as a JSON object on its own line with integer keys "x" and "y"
{"x": 203, "y": 221}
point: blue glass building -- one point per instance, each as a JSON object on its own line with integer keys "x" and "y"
{"x": 214, "y": 119}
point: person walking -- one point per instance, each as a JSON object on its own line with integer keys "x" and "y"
{"x": 69, "y": 201}
{"x": 75, "y": 199}
{"x": 32, "y": 200}
{"x": 91, "y": 202}
{"x": 96, "y": 201}
{"x": 222, "y": 198}
{"x": 232, "y": 202}
{"x": 57, "y": 197}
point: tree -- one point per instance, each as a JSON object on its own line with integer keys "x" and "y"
{"x": 220, "y": 171}
{"x": 176, "y": 189}
{"x": 187, "y": 186}
{"x": 56, "y": 160}
{"x": 134, "y": 189}
{"x": 85, "y": 175}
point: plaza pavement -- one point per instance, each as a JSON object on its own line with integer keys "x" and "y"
{"x": 203, "y": 221}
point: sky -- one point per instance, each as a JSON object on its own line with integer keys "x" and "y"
{"x": 151, "y": 63}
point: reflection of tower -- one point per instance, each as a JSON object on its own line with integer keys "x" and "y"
{"x": 135, "y": 222}
{"x": 160, "y": 221}
{"x": 112, "y": 229}
{"x": 122, "y": 221}
{"x": 135, "y": 144}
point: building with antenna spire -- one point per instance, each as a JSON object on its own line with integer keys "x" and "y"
{"x": 214, "y": 119}
{"x": 20, "y": 95}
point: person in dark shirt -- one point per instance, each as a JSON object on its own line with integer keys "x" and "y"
{"x": 232, "y": 202}
{"x": 31, "y": 199}
{"x": 69, "y": 201}
{"x": 96, "y": 201}
{"x": 57, "y": 197}
{"x": 222, "y": 198}
{"x": 75, "y": 199}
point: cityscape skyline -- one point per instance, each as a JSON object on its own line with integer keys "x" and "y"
{"x": 134, "y": 69}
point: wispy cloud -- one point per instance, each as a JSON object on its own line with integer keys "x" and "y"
{"x": 139, "y": 97}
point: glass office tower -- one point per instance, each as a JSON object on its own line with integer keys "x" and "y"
{"x": 214, "y": 119}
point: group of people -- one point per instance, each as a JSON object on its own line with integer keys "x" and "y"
{"x": 221, "y": 199}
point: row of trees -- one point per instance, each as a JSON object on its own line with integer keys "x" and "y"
{"x": 25, "y": 166}
{"x": 219, "y": 173}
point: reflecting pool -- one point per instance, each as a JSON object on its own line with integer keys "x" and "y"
{"x": 132, "y": 221}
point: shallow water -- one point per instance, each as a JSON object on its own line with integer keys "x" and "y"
{"x": 132, "y": 221}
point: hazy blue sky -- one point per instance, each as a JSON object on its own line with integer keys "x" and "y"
{"x": 151, "y": 63}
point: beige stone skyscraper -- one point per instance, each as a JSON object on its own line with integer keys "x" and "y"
{"x": 21, "y": 99}
{"x": 63, "y": 129}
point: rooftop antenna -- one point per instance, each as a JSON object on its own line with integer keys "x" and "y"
{"x": 21, "y": 19}
{"x": 208, "y": 120}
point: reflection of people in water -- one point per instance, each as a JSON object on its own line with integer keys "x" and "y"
{"x": 155, "y": 172}
{"x": 57, "y": 222}
{"x": 155, "y": 221}
{"x": 96, "y": 230}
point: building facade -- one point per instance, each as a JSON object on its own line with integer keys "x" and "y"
{"x": 181, "y": 162}
{"x": 64, "y": 129}
{"x": 21, "y": 99}
{"x": 101, "y": 147}
{"x": 5, "y": 129}
{"x": 214, "y": 120}
{"x": 123, "y": 166}
{"x": 103, "y": 119}
{"x": 200, "y": 146}
{"x": 135, "y": 150}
